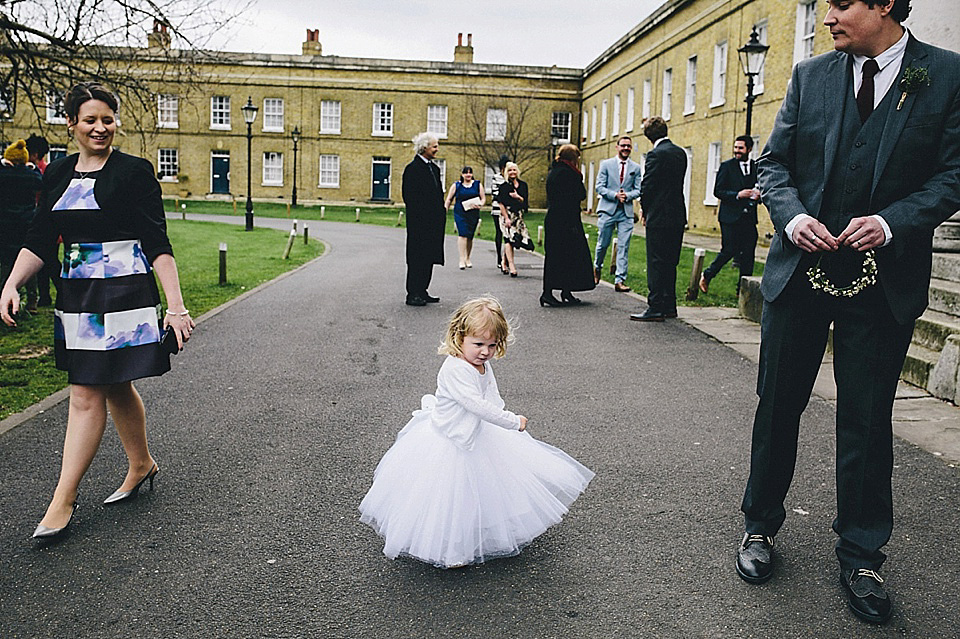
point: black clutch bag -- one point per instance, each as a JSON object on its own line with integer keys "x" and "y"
{"x": 169, "y": 341}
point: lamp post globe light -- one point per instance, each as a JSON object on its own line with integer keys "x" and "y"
{"x": 752, "y": 55}
{"x": 249, "y": 115}
{"x": 295, "y": 134}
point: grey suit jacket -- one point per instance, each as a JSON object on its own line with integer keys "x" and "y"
{"x": 916, "y": 182}
{"x": 608, "y": 184}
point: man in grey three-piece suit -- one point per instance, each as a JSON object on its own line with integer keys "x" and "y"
{"x": 864, "y": 158}
{"x": 618, "y": 185}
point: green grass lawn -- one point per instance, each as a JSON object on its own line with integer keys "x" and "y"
{"x": 27, "y": 371}
{"x": 722, "y": 288}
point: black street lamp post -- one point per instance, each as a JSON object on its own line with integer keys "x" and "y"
{"x": 249, "y": 115}
{"x": 296, "y": 138}
{"x": 752, "y": 55}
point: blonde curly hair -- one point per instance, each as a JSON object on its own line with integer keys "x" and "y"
{"x": 480, "y": 316}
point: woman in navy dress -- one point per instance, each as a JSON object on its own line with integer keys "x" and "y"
{"x": 466, "y": 218}
{"x": 108, "y": 318}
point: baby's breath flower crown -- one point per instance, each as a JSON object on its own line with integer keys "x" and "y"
{"x": 820, "y": 282}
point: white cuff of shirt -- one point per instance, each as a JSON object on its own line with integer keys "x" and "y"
{"x": 792, "y": 224}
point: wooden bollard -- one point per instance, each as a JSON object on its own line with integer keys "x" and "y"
{"x": 295, "y": 227}
{"x": 400, "y": 218}
{"x": 694, "y": 289}
{"x": 183, "y": 211}
{"x": 286, "y": 251}
{"x": 540, "y": 234}
{"x": 223, "y": 263}
{"x": 306, "y": 232}
{"x": 234, "y": 206}
{"x": 323, "y": 212}
{"x": 288, "y": 209}
{"x": 358, "y": 215}
{"x": 613, "y": 257}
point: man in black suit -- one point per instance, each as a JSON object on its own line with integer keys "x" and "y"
{"x": 862, "y": 164}
{"x": 664, "y": 215}
{"x": 426, "y": 218}
{"x": 736, "y": 188}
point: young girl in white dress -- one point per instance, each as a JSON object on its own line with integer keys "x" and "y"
{"x": 464, "y": 483}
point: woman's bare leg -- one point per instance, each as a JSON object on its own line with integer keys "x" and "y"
{"x": 129, "y": 417}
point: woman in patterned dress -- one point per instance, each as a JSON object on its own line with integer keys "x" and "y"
{"x": 107, "y": 207}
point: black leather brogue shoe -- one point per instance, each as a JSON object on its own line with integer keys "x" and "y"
{"x": 866, "y": 596}
{"x": 755, "y": 558}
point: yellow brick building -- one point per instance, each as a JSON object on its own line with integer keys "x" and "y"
{"x": 682, "y": 63}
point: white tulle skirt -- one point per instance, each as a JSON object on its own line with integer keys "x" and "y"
{"x": 446, "y": 506}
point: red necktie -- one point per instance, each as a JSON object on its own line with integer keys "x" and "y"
{"x": 865, "y": 97}
{"x": 622, "y": 164}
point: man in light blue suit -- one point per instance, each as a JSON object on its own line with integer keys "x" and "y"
{"x": 618, "y": 185}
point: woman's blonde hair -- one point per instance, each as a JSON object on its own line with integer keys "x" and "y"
{"x": 511, "y": 165}
{"x": 481, "y": 316}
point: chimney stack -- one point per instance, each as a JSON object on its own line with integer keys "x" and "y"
{"x": 311, "y": 45}
{"x": 463, "y": 53}
{"x": 158, "y": 38}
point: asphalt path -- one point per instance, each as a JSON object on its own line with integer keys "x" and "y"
{"x": 269, "y": 427}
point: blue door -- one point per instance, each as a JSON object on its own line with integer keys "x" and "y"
{"x": 381, "y": 179}
{"x": 220, "y": 173}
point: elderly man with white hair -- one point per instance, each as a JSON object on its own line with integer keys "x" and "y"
{"x": 426, "y": 218}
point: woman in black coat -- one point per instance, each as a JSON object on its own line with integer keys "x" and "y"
{"x": 567, "y": 266}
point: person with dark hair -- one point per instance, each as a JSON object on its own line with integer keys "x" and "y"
{"x": 566, "y": 266}
{"x": 468, "y": 196}
{"x": 107, "y": 327}
{"x": 736, "y": 188}
{"x": 862, "y": 165}
{"x": 20, "y": 182}
{"x": 618, "y": 185}
{"x": 38, "y": 147}
{"x": 664, "y": 215}
{"x": 495, "y": 183}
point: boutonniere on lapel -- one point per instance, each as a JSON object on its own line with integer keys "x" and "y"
{"x": 914, "y": 79}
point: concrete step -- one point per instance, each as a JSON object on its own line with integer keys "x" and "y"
{"x": 933, "y": 328}
{"x": 947, "y": 236}
{"x": 918, "y": 365}
{"x": 945, "y": 296}
{"x": 946, "y": 266}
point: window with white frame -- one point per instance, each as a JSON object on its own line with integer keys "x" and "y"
{"x": 382, "y": 118}
{"x": 442, "y": 164}
{"x": 55, "y": 111}
{"x": 755, "y": 151}
{"x": 806, "y": 29}
{"x": 329, "y": 171}
{"x": 761, "y": 28}
{"x": 488, "y": 173}
{"x": 686, "y": 180}
{"x": 437, "y": 119}
{"x": 719, "y": 93}
{"x": 168, "y": 164}
{"x": 690, "y": 95}
{"x": 647, "y": 99}
{"x": 603, "y": 120}
{"x": 584, "y": 125}
{"x": 667, "y": 101}
{"x": 628, "y": 126}
{"x": 57, "y": 152}
{"x": 615, "y": 128}
{"x": 330, "y": 117}
{"x": 220, "y": 112}
{"x": 272, "y": 169}
{"x": 496, "y": 124}
{"x": 560, "y": 126}
{"x": 6, "y": 105}
{"x": 168, "y": 111}
{"x": 593, "y": 124}
{"x": 273, "y": 115}
{"x": 713, "y": 165}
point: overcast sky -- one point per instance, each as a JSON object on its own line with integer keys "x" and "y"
{"x": 536, "y": 32}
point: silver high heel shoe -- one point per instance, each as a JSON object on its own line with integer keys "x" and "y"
{"x": 44, "y": 533}
{"x": 124, "y": 495}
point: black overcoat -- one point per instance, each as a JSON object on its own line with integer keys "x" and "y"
{"x": 426, "y": 215}
{"x": 567, "y": 265}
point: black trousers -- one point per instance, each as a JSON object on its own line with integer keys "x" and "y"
{"x": 738, "y": 241}
{"x": 869, "y": 350}
{"x": 663, "y": 255}
{"x": 419, "y": 275}
{"x": 498, "y": 238}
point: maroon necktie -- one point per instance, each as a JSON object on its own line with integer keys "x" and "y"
{"x": 622, "y": 164}
{"x": 865, "y": 97}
